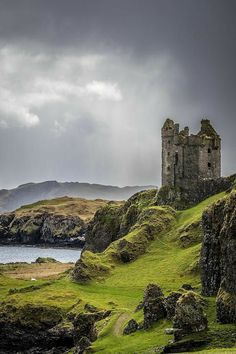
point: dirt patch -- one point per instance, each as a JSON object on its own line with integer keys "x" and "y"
{"x": 36, "y": 271}
{"x": 118, "y": 327}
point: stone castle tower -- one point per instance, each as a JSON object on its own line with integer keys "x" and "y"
{"x": 186, "y": 158}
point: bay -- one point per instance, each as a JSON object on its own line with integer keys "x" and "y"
{"x": 10, "y": 254}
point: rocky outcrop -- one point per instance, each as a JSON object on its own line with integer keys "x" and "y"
{"x": 170, "y": 304}
{"x": 218, "y": 256}
{"x": 150, "y": 222}
{"x": 189, "y": 315}
{"x": 42, "y": 228}
{"x": 131, "y": 327}
{"x": 113, "y": 222}
{"x": 183, "y": 198}
{"x": 84, "y": 329}
{"x": 32, "y": 329}
{"x": 153, "y": 305}
{"x": 103, "y": 229}
{"x": 31, "y": 326}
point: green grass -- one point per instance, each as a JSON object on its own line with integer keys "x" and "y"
{"x": 121, "y": 289}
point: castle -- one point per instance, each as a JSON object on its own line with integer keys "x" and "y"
{"x": 187, "y": 159}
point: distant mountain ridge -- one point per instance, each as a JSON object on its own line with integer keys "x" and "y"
{"x": 11, "y": 199}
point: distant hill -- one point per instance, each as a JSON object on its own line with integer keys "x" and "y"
{"x": 58, "y": 222}
{"x": 32, "y": 192}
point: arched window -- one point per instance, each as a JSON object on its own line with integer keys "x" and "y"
{"x": 209, "y": 151}
{"x": 209, "y": 165}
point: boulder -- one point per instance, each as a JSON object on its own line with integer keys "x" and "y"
{"x": 84, "y": 325}
{"x": 82, "y": 345}
{"x": 153, "y": 305}
{"x": 170, "y": 304}
{"x": 225, "y": 306}
{"x": 187, "y": 287}
{"x": 131, "y": 327}
{"x": 189, "y": 315}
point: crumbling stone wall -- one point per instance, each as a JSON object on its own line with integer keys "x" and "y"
{"x": 186, "y": 159}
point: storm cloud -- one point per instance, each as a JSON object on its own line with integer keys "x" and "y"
{"x": 85, "y": 86}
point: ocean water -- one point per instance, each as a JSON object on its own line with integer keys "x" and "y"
{"x": 30, "y": 254}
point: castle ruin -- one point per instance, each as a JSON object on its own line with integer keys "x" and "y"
{"x": 187, "y": 159}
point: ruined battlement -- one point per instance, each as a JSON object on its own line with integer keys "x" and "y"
{"x": 188, "y": 158}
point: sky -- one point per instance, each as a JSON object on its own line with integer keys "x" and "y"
{"x": 86, "y": 85}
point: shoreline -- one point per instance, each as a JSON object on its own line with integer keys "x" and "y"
{"x": 42, "y": 246}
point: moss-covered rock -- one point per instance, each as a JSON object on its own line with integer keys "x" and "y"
{"x": 170, "y": 304}
{"x": 191, "y": 234}
{"x": 218, "y": 256}
{"x": 226, "y": 306}
{"x": 113, "y": 222}
{"x": 150, "y": 223}
{"x": 153, "y": 305}
{"x": 89, "y": 266}
{"x": 31, "y": 316}
{"x": 189, "y": 314}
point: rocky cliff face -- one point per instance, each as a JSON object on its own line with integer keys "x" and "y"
{"x": 113, "y": 222}
{"x": 61, "y": 221}
{"x": 218, "y": 256}
{"x": 42, "y": 229}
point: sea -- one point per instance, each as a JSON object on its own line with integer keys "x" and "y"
{"x": 11, "y": 254}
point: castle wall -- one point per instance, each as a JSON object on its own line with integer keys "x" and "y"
{"x": 186, "y": 159}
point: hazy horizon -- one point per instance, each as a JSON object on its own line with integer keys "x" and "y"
{"x": 85, "y": 86}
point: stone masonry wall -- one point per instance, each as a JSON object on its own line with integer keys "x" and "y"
{"x": 186, "y": 159}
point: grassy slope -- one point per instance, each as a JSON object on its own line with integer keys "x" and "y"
{"x": 165, "y": 263}
{"x": 83, "y": 208}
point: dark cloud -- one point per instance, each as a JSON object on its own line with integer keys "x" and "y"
{"x": 85, "y": 85}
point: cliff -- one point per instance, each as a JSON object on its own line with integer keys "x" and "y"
{"x": 218, "y": 256}
{"x": 60, "y": 222}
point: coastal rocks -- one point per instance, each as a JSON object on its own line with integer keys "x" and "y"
{"x": 153, "y": 305}
{"x": 218, "y": 256}
{"x": 189, "y": 315}
{"x": 42, "y": 228}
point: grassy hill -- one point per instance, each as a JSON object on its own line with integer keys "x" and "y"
{"x": 167, "y": 261}
{"x": 66, "y": 206}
